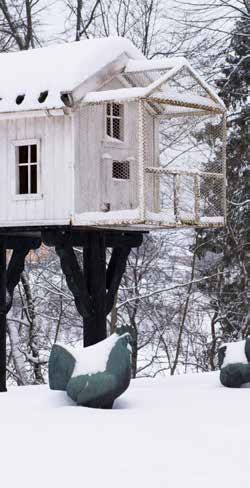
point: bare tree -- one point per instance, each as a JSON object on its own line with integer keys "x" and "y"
{"x": 19, "y": 21}
{"x": 206, "y": 29}
{"x": 81, "y": 16}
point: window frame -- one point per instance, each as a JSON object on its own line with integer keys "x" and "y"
{"x": 111, "y": 139}
{"x": 27, "y": 142}
{"x": 128, "y": 169}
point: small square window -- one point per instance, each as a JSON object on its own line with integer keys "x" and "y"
{"x": 121, "y": 170}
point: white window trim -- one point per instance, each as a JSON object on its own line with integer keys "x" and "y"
{"x": 112, "y": 141}
{"x": 27, "y": 196}
{"x": 122, "y": 180}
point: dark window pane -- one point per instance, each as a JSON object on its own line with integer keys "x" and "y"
{"x": 117, "y": 128}
{"x": 108, "y": 126}
{"x": 121, "y": 170}
{"x": 23, "y": 154}
{"x": 33, "y": 153}
{"x": 108, "y": 109}
{"x": 116, "y": 109}
{"x": 33, "y": 178}
{"x": 23, "y": 179}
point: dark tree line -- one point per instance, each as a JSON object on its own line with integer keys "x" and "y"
{"x": 227, "y": 250}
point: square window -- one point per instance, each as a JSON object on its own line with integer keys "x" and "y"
{"x": 121, "y": 170}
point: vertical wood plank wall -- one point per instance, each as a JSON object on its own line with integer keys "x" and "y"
{"x": 75, "y": 165}
{"x": 56, "y": 166}
{"x": 94, "y": 185}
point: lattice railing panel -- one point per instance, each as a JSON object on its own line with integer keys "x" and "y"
{"x": 186, "y": 197}
{"x": 188, "y": 177}
{"x": 146, "y": 166}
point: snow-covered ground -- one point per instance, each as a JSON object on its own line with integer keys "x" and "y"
{"x": 186, "y": 431}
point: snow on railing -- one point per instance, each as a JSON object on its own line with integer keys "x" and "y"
{"x": 196, "y": 198}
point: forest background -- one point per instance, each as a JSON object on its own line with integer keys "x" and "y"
{"x": 184, "y": 292}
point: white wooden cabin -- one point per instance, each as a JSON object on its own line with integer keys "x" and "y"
{"x": 93, "y": 134}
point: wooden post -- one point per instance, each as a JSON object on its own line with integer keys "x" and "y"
{"x": 94, "y": 262}
{"x": 94, "y": 287}
{"x": 3, "y": 315}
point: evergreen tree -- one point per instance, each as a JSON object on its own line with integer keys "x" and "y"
{"x": 227, "y": 250}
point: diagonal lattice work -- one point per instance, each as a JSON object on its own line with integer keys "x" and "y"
{"x": 160, "y": 158}
{"x": 189, "y": 176}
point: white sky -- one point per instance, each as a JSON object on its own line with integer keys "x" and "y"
{"x": 53, "y": 21}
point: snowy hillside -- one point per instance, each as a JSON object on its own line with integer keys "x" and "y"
{"x": 184, "y": 431}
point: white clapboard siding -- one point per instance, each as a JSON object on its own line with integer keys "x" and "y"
{"x": 54, "y": 203}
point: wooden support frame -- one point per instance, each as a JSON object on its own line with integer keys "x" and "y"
{"x": 9, "y": 278}
{"x": 94, "y": 286}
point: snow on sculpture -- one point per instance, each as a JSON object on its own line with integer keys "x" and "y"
{"x": 234, "y": 361}
{"x": 94, "y": 376}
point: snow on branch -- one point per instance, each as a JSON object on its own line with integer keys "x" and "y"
{"x": 161, "y": 290}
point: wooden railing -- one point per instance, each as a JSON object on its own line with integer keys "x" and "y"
{"x": 177, "y": 175}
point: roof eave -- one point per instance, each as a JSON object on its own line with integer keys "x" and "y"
{"x": 21, "y": 114}
{"x": 101, "y": 77}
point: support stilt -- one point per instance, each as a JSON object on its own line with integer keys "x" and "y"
{"x": 94, "y": 288}
{"x": 94, "y": 271}
{"x": 3, "y": 312}
{"x": 9, "y": 278}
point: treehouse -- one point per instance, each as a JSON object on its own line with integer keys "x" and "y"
{"x": 98, "y": 145}
{"x": 94, "y": 135}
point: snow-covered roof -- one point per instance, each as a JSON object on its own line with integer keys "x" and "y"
{"x": 36, "y": 79}
{"x": 168, "y": 96}
{"x": 159, "y": 87}
{"x": 119, "y": 94}
{"x": 55, "y": 69}
{"x": 138, "y": 65}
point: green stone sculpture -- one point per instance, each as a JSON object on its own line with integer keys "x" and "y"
{"x": 234, "y": 374}
{"x": 61, "y": 367}
{"x": 94, "y": 376}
